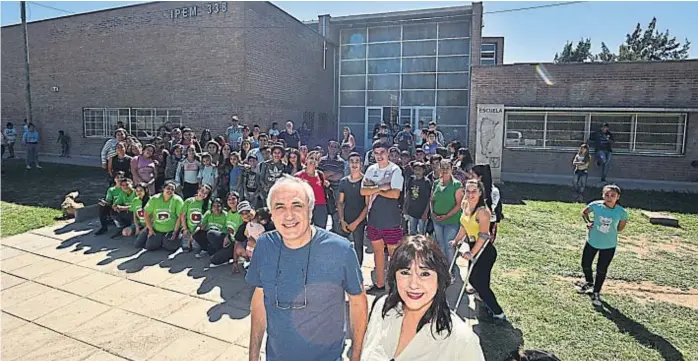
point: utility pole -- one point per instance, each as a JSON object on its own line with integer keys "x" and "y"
{"x": 27, "y": 88}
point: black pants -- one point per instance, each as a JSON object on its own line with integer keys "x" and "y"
{"x": 605, "y": 258}
{"x": 189, "y": 189}
{"x": 357, "y": 237}
{"x": 212, "y": 242}
{"x": 124, "y": 218}
{"x": 481, "y": 275}
{"x": 156, "y": 241}
{"x": 159, "y": 182}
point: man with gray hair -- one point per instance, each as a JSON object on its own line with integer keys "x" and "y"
{"x": 301, "y": 274}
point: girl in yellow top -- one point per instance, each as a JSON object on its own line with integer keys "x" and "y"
{"x": 475, "y": 227}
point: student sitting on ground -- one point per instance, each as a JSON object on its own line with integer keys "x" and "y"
{"x": 105, "y": 205}
{"x": 161, "y": 215}
{"x": 138, "y": 228}
{"x": 192, "y": 212}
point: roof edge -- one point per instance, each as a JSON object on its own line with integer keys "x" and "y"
{"x": 85, "y": 13}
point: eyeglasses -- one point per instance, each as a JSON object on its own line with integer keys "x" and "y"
{"x": 285, "y": 306}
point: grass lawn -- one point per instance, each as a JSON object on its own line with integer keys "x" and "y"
{"x": 651, "y": 291}
{"x": 32, "y": 198}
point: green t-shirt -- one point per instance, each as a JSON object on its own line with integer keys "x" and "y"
{"x": 123, "y": 199}
{"x": 233, "y": 222}
{"x": 192, "y": 212}
{"x": 213, "y": 222}
{"x": 445, "y": 199}
{"x": 138, "y": 210}
{"x": 164, "y": 213}
{"x": 113, "y": 193}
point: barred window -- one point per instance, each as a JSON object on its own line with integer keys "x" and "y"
{"x": 634, "y": 133}
{"x": 141, "y": 122}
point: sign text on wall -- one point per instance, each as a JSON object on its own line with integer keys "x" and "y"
{"x": 198, "y": 10}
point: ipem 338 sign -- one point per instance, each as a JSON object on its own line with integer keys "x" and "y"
{"x": 198, "y": 10}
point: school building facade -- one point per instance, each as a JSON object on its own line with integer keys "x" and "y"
{"x": 199, "y": 63}
{"x": 537, "y": 116}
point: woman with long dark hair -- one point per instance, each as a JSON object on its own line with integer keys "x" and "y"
{"x": 462, "y": 164}
{"x": 245, "y": 148}
{"x": 137, "y": 228}
{"x": 483, "y": 173}
{"x": 191, "y": 214}
{"x": 414, "y": 322}
{"x": 293, "y": 161}
{"x": 475, "y": 229}
{"x": 347, "y": 137}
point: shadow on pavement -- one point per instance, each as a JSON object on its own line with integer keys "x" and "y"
{"x": 640, "y": 333}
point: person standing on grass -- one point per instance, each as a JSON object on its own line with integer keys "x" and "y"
{"x": 352, "y": 206}
{"x": 302, "y": 277}
{"x": 581, "y": 162}
{"x": 474, "y": 228}
{"x": 609, "y": 219}
{"x": 161, "y": 214}
{"x": 10, "y": 136}
{"x": 383, "y": 184}
{"x": 30, "y": 139}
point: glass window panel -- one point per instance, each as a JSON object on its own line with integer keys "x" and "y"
{"x": 352, "y": 114}
{"x": 387, "y": 50}
{"x": 353, "y": 67}
{"x": 454, "y": 47}
{"x": 619, "y": 124}
{"x": 452, "y": 116}
{"x": 660, "y": 133}
{"x": 357, "y": 82}
{"x": 453, "y": 63}
{"x": 353, "y": 36}
{"x": 419, "y": 81}
{"x": 488, "y": 47}
{"x": 452, "y": 98}
{"x": 383, "y": 98}
{"x": 453, "y": 81}
{"x": 353, "y": 51}
{"x": 352, "y": 98}
{"x": 487, "y": 55}
{"x": 405, "y": 115}
{"x": 524, "y": 129}
{"x": 384, "y": 66}
{"x": 488, "y": 62}
{"x": 565, "y": 130}
{"x": 383, "y": 82}
{"x": 419, "y": 31}
{"x": 451, "y": 133}
{"x": 455, "y": 29}
{"x": 418, "y": 65}
{"x": 388, "y": 33}
{"x": 418, "y": 97}
{"x": 419, "y": 48}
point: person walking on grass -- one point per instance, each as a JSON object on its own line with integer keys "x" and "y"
{"x": 581, "y": 162}
{"x": 602, "y": 238}
{"x": 30, "y": 139}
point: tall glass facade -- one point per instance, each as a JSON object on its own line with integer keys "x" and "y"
{"x": 405, "y": 73}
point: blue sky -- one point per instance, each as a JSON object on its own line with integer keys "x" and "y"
{"x": 530, "y": 36}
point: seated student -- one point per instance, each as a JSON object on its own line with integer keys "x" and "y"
{"x": 262, "y": 223}
{"x": 137, "y": 208}
{"x": 161, "y": 214}
{"x": 418, "y": 328}
{"x": 246, "y": 240}
{"x": 121, "y": 210}
{"x": 218, "y": 244}
{"x": 193, "y": 210}
{"x": 105, "y": 205}
{"x": 211, "y": 231}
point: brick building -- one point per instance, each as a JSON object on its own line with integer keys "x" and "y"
{"x": 197, "y": 64}
{"x": 550, "y": 109}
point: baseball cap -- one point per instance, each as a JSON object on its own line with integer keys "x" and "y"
{"x": 244, "y": 206}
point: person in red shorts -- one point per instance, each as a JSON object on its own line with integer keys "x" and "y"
{"x": 383, "y": 183}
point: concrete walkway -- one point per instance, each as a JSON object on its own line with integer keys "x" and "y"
{"x": 70, "y": 295}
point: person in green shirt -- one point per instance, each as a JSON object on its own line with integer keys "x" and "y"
{"x": 217, "y": 243}
{"x": 161, "y": 215}
{"x": 192, "y": 212}
{"x": 137, "y": 208}
{"x": 106, "y": 204}
{"x": 446, "y": 196}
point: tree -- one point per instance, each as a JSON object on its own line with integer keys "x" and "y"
{"x": 647, "y": 45}
{"x": 579, "y": 54}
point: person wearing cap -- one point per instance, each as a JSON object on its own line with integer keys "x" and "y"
{"x": 250, "y": 181}
{"x": 603, "y": 141}
{"x": 405, "y": 138}
{"x": 161, "y": 214}
{"x": 234, "y": 132}
{"x": 302, "y": 275}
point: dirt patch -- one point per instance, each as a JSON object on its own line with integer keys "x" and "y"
{"x": 515, "y": 273}
{"x": 643, "y": 246}
{"x": 646, "y": 291}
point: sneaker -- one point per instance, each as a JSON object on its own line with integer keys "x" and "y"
{"x": 586, "y": 288}
{"x": 500, "y": 317}
{"x": 596, "y": 300}
{"x": 375, "y": 290}
{"x": 29, "y": 168}
{"x": 39, "y": 167}
{"x": 101, "y": 231}
{"x": 200, "y": 254}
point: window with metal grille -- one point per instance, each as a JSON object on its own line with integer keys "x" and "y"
{"x": 141, "y": 122}
{"x": 634, "y": 133}
{"x": 488, "y": 54}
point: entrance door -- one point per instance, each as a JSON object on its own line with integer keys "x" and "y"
{"x": 374, "y": 115}
{"x": 424, "y": 114}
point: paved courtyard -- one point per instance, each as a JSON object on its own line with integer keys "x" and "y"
{"x": 70, "y": 295}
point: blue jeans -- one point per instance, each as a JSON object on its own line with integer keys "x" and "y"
{"x": 443, "y": 234}
{"x": 416, "y": 225}
{"x": 580, "y": 181}
{"x": 604, "y": 157}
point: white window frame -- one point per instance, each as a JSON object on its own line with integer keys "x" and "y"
{"x": 107, "y": 126}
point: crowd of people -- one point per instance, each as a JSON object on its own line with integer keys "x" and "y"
{"x": 419, "y": 202}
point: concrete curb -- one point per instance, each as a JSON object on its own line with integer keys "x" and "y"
{"x": 87, "y": 213}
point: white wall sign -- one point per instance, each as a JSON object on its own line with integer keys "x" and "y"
{"x": 490, "y": 134}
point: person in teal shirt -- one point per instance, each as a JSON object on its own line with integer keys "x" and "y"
{"x": 161, "y": 215}
{"x": 609, "y": 219}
